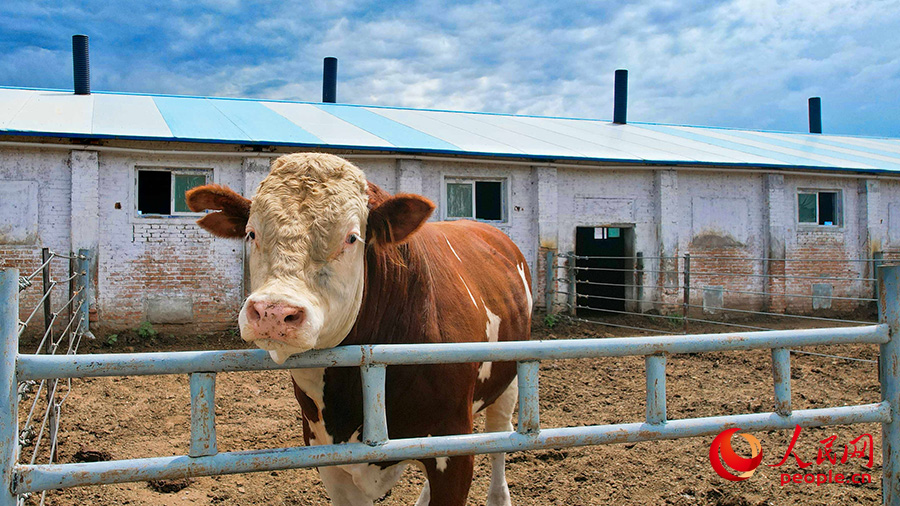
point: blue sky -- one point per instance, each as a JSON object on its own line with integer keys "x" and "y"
{"x": 740, "y": 63}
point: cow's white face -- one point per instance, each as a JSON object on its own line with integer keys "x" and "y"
{"x": 305, "y": 232}
{"x": 308, "y": 228}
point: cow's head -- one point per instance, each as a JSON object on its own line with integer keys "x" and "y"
{"x": 308, "y": 228}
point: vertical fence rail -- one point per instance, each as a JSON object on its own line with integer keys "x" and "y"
{"x": 573, "y": 296}
{"x": 686, "y": 291}
{"x": 550, "y": 286}
{"x": 203, "y": 414}
{"x": 9, "y": 407}
{"x": 889, "y": 295}
{"x": 84, "y": 268}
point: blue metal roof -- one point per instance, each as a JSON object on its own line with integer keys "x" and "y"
{"x": 318, "y": 125}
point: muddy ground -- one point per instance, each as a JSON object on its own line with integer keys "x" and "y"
{"x": 132, "y": 417}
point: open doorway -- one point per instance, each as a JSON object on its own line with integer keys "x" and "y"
{"x": 603, "y": 279}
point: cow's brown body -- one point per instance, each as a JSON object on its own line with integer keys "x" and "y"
{"x": 448, "y": 282}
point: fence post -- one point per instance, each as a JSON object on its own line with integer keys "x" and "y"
{"x": 687, "y": 291}
{"x": 639, "y": 280}
{"x": 9, "y": 406}
{"x": 84, "y": 269}
{"x": 889, "y": 306}
{"x": 572, "y": 298}
{"x": 551, "y": 279}
{"x": 877, "y": 262}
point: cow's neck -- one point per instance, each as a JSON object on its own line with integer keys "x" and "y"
{"x": 398, "y": 300}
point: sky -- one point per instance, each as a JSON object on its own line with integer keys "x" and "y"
{"x": 741, "y": 63}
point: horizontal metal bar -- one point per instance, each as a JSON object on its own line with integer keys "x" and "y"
{"x": 37, "y": 367}
{"x": 778, "y": 276}
{"x": 728, "y": 324}
{"x": 804, "y": 260}
{"x": 775, "y": 294}
{"x": 34, "y": 478}
{"x": 616, "y": 269}
{"x": 781, "y": 315}
{"x": 618, "y": 325}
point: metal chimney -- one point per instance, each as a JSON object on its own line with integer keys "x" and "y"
{"x": 815, "y": 115}
{"x": 620, "y": 106}
{"x": 329, "y": 80}
{"x": 81, "y": 65}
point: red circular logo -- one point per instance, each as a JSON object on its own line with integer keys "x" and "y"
{"x": 722, "y": 443}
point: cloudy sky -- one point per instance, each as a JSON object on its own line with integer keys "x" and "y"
{"x": 740, "y": 63}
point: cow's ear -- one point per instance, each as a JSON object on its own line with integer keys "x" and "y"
{"x": 232, "y": 214}
{"x": 395, "y": 219}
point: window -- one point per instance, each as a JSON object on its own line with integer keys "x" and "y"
{"x": 483, "y": 200}
{"x": 161, "y": 191}
{"x": 819, "y": 208}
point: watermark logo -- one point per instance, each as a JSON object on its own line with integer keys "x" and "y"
{"x": 734, "y": 467}
{"x": 745, "y": 466}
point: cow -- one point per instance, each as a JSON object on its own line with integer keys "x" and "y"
{"x": 336, "y": 260}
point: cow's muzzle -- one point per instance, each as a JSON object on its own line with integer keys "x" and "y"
{"x": 277, "y": 321}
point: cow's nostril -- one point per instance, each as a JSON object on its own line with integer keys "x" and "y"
{"x": 295, "y": 319}
{"x": 253, "y": 313}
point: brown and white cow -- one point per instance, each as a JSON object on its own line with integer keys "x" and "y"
{"x": 335, "y": 260}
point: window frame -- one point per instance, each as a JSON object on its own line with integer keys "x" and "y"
{"x": 504, "y": 197}
{"x": 838, "y": 208}
{"x": 173, "y": 171}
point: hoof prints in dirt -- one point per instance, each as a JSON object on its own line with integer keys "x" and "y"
{"x": 169, "y": 486}
{"x": 88, "y": 455}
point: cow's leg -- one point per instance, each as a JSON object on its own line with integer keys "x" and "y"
{"x": 449, "y": 479}
{"x": 341, "y": 489}
{"x": 360, "y": 483}
{"x": 425, "y": 496}
{"x": 498, "y": 418}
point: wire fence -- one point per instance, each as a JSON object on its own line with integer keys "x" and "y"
{"x": 64, "y": 279}
{"x": 670, "y": 295}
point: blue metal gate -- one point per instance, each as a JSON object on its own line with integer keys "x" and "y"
{"x": 204, "y": 460}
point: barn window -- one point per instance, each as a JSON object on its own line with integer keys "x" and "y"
{"x": 161, "y": 191}
{"x": 816, "y": 207}
{"x": 483, "y": 200}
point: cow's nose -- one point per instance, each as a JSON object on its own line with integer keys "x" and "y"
{"x": 274, "y": 320}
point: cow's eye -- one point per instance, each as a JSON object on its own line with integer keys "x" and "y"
{"x": 352, "y": 238}
{"x": 251, "y": 235}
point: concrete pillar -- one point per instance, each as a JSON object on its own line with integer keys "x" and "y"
{"x": 874, "y": 228}
{"x": 778, "y": 213}
{"x": 409, "y": 176}
{"x": 85, "y": 209}
{"x": 666, "y": 193}
{"x": 255, "y": 170}
{"x": 546, "y": 214}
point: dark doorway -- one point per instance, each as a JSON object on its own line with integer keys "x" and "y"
{"x": 601, "y": 280}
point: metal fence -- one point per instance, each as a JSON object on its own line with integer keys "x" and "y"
{"x": 64, "y": 278}
{"x": 373, "y": 360}
{"x": 722, "y": 291}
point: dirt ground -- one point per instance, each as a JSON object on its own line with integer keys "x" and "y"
{"x": 132, "y": 417}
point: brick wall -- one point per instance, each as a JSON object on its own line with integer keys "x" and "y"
{"x": 167, "y": 263}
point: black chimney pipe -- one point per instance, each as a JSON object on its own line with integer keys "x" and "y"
{"x": 81, "y": 65}
{"x": 329, "y": 80}
{"x": 620, "y": 107}
{"x": 815, "y": 115}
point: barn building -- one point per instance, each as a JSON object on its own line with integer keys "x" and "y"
{"x": 108, "y": 171}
